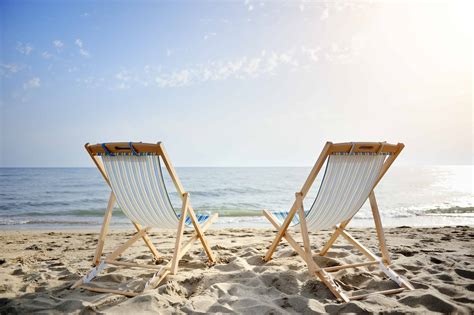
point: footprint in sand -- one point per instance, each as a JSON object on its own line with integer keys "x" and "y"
{"x": 218, "y": 247}
{"x": 431, "y": 302}
{"x": 143, "y": 257}
{"x": 405, "y": 252}
{"x": 19, "y": 271}
{"x": 444, "y": 277}
{"x": 436, "y": 260}
{"x": 33, "y": 247}
{"x": 326, "y": 261}
{"x": 356, "y": 279}
{"x": 285, "y": 282}
{"x": 468, "y": 274}
{"x": 315, "y": 289}
{"x": 337, "y": 254}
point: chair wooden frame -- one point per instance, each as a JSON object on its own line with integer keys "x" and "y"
{"x": 306, "y": 253}
{"x": 180, "y": 247}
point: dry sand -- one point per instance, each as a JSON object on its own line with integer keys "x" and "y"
{"x": 38, "y": 267}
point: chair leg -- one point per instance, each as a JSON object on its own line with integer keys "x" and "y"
{"x": 334, "y": 237}
{"x": 286, "y": 236}
{"x": 179, "y": 235}
{"x": 373, "y": 259}
{"x": 147, "y": 241}
{"x": 339, "y": 230}
{"x": 313, "y": 267}
{"x": 379, "y": 228}
{"x": 96, "y": 270}
{"x": 201, "y": 236}
{"x": 384, "y": 266}
{"x": 323, "y": 273}
{"x": 127, "y": 244}
{"x": 281, "y": 232}
{"x": 153, "y": 283}
{"x": 328, "y": 280}
{"x": 305, "y": 235}
{"x": 104, "y": 229}
{"x": 364, "y": 250}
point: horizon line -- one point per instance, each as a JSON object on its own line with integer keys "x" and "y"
{"x": 235, "y": 166}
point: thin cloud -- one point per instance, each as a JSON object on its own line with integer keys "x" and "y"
{"x": 311, "y": 52}
{"x": 175, "y": 79}
{"x": 24, "y": 49}
{"x": 248, "y": 5}
{"x": 58, "y": 44}
{"x": 11, "y": 68}
{"x": 340, "y": 54}
{"x": 124, "y": 79}
{"x": 241, "y": 68}
{"x": 46, "y": 55}
{"x": 82, "y": 51}
{"x": 265, "y": 63}
{"x": 32, "y": 84}
{"x": 91, "y": 81}
{"x": 123, "y": 76}
{"x": 209, "y": 35}
{"x": 72, "y": 69}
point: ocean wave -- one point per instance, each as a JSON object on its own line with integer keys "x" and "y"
{"x": 49, "y": 204}
{"x": 59, "y": 192}
{"x": 452, "y": 211}
{"x": 117, "y": 212}
{"x": 419, "y": 211}
{"x": 241, "y": 210}
{"x": 237, "y": 213}
{"x": 5, "y": 221}
{"x": 19, "y": 205}
{"x": 227, "y": 191}
{"x": 46, "y": 222}
{"x": 76, "y": 213}
{"x": 195, "y": 193}
{"x": 247, "y": 190}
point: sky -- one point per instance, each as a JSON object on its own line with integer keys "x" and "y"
{"x": 235, "y": 83}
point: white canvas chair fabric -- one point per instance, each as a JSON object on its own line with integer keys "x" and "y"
{"x": 347, "y": 183}
{"x": 137, "y": 182}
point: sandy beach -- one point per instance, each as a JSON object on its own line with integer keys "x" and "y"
{"x": 124, "y": 123}
{"x": 37, "y": 269}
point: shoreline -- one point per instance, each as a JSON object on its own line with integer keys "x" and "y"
{"x": 223, "y": 222}
{"x": 39, "y": 267}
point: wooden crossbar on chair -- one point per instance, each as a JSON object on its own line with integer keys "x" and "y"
{"x": 187, "y": 212}
{"x": 323, "y": 273}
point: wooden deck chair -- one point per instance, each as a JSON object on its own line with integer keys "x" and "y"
{"x": 133, "y": 172}
{"x": 352, "y": 172}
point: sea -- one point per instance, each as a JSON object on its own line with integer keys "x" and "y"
{"x": 75, "y": 198}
